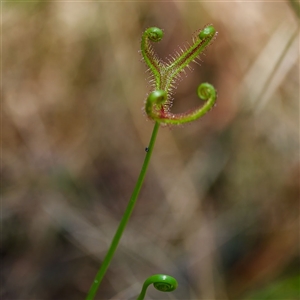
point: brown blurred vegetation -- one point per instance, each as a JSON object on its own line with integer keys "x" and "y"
{"x": 220, "y": 206}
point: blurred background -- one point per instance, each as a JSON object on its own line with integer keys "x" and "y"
{"x": 219, "y": 209}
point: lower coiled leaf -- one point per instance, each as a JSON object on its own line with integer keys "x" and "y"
{"x": 156, "y": 110}
{"x": 163, "y": 283}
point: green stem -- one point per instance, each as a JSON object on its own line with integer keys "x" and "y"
{"x": 114, "y": 244}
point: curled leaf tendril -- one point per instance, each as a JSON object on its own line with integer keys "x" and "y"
{"x": 165, "y": 75}
{"x": 153, "y": 34}
{"x": 163, "y": 283}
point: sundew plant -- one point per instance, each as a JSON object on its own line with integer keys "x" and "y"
{"x": 164, "y": 78}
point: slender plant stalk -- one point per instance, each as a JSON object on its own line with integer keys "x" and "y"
{"x": 157, "y": 107}
{"x": 114, "y": 244}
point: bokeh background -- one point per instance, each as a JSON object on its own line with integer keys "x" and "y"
{"x": 219, "y": 209}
